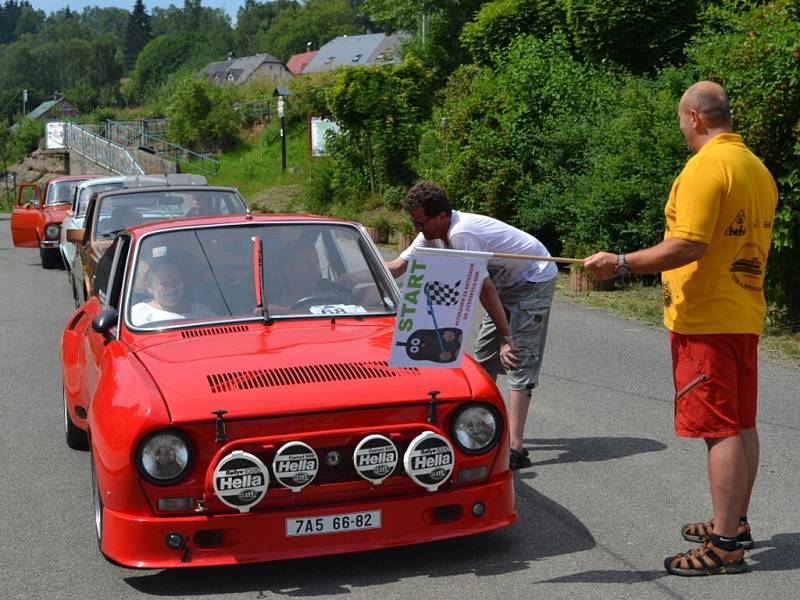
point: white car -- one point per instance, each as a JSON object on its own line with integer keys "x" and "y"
{"x": 80, "y": 201}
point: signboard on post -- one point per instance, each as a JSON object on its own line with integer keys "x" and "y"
{"x": 54, "y": 135}
{"x": 438, "y": 298}
{"x": 318, "y": 128}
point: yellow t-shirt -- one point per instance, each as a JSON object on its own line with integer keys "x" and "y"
{"x": 724, "y": 197}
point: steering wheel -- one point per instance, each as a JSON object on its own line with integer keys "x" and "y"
{"x": 320, "y": 298}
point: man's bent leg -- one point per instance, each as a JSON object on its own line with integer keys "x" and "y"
{"x": 519, "y": 402}
{"x": 729, "y": 477}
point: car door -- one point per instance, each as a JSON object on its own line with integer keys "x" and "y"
{"x": 27, "y": 217}
{"x": 107, "y": 291}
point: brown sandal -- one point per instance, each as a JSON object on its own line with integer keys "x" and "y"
{"x": 699, "y": 532}
{"x": 706, "y": 560}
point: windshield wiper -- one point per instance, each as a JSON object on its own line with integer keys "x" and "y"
{"x": 259, "y": 280}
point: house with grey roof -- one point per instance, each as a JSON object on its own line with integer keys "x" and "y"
{"x": 57, "y": 108}
{"x": 358, "y": 50}
{"x": 237, "y": 71}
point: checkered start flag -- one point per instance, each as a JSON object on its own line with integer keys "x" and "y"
{"x": 443, "y": 294}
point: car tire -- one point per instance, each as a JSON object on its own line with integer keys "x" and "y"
{"x": 97, "y": 501}
{"x": 51, "y": 258}
{"x": 76, "y": 437}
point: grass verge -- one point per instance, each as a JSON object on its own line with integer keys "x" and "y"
{"x": 645, "y": 303}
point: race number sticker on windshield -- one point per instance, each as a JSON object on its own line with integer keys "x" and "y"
{"x": 240, "y": 480}
{"x": 295, "y": 465}
{"x": 358, "y": 521}
{"x": 375, "y": 458}
{"x": 429, "y": 460}
{"x": 337, "y": 309}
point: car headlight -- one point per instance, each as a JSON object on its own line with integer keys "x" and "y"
{"x": 164, "y": 457}
{"x": 52, "y": 231}
{"x": 476, "y": 428}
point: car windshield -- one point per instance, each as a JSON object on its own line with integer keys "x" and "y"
{"x": 61, "y": 192}
{"x": 123, "y": 211}
{"x": 207, "y": 274}
{"x": 85, "y": 193}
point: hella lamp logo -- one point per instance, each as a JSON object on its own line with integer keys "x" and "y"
{"x": 375, "y": 458}
{"x": 240, "y": 480}
{"x": 295, "y": 465}
{"x": 429, "y": 460}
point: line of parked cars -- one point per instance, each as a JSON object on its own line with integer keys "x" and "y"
{"x": 228, "y": 374}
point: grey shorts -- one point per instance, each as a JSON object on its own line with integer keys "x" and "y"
{"x": 527, "y": 307}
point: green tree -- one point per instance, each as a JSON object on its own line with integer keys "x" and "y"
{"x": 165, "y": 55}
{"x": 253, "y": 17}
{"x": 201, "y": 115}
{"x": 436, "y": 27}
{"x": 137, "y": 33}
{"x": 379, "y": 110}
{"x": 317, "y": 21}
{"x": 499, "y": 22}
{"x": 640, "y": 35}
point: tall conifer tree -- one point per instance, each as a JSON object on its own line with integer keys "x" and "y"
{"x": 137, "y": 33}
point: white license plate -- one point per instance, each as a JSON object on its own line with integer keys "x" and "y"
{"x": 356, "y": 521}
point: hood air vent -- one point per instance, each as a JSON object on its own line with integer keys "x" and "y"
{"x": 191, "y": 333}
{"x": 263, "y": 378}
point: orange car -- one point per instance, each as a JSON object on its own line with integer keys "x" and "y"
{"x": 36, "y": 223}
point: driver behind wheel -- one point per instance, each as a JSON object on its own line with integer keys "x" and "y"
{"x": 301, "y": 282}
{"x": 164, "y": 283}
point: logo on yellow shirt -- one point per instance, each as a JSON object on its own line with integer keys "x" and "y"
{"x": 747, "y": 269}
{"x": 737, "y": 225}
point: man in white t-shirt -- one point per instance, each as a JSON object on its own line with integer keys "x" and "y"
{"x": 168, "y": 302}
{"x": 517, "y": 295}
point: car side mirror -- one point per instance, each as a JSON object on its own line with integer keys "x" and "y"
{"x": 75, "y": 235}
{"x": 103, "y": 323}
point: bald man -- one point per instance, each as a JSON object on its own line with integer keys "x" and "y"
{"x": 713, "y": 257}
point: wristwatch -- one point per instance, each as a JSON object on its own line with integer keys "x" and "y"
{"x": 622, "y": 268}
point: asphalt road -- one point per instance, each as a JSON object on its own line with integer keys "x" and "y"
{"x": 598, "y": 511}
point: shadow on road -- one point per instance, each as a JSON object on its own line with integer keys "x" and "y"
{"x": 495, "y": 553}
{"x": 780, "y": 553}
{"x": 591, "y": 449}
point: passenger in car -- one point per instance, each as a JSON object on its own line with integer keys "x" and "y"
{"x": 301, "y": 280}
{"x": 164, "y": 282}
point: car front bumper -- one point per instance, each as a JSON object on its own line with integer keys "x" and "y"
{"x": 136, "y": 541}
{"x": 49, "y": 243}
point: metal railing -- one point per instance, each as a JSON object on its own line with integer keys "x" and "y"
{"x": 259, "y": 108}
{"x": 100, "y": 150}
{"x": 134, "y": 134}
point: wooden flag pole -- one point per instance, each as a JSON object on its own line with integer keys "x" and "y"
{"x": 559, "y": 259}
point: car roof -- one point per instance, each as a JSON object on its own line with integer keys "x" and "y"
{"x": 241, "y": 219}
{"x": 136, "y": 180}
{"x": 167, "y": 189}
{"x": 58, "y": 178}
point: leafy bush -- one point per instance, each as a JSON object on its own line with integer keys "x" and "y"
{"x": 201, "y": 115}
{"x": 499, "y": 22}
{"x": 640, "y": 35}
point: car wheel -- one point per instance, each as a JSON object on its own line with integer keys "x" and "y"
{"x": 76, "y": 437}
{"x": 51, "y": 258}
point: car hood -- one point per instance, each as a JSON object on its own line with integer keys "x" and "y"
{"x": 289, "y": 369}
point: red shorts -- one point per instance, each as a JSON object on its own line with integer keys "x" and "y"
{"x": 716, "y": 383}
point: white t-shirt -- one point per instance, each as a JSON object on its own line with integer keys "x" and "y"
{"x": 484, "y": 234}
{"x": 142, "y": 313}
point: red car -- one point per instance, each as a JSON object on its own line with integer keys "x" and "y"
{"x": 37, "y": 224}
{"x": 234, "y": 391}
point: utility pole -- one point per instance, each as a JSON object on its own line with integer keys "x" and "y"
{"x": 24, "y": 102}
